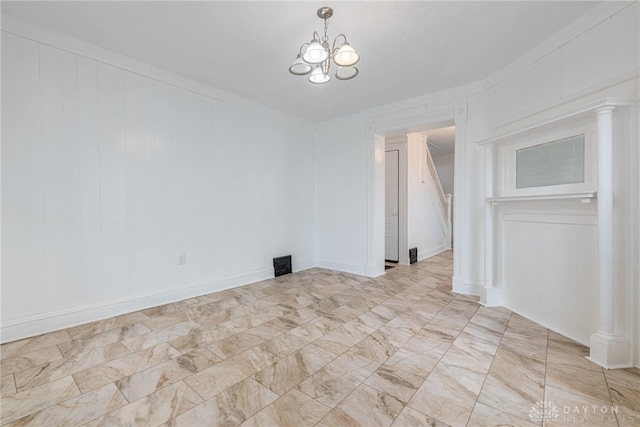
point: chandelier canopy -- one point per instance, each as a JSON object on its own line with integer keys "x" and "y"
{"x": 314, "y": 58}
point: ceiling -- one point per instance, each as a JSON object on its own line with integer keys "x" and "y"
{"x": 441, "y": 141}
{"x": 407, "y": 49}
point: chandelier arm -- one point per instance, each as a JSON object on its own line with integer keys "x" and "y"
{"x": 303, "y": 45}
{"x": 336, "y": 39}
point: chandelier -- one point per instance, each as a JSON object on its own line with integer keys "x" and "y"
{"x": 316, "y": 58}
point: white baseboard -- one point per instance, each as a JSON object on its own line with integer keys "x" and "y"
{"x": 543, "y": 323}
{"x": 347, "y": 268}
{"x": 459, "y": 286}
{"x": 373, "y": 270}
{"x": 302, "y": 265}
{"x": 48, "y": 322}
{"x": 492, "y": 297}
{"x": 432, "y": 252}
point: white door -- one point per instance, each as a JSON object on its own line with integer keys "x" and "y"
{"x": 391, "y": 206}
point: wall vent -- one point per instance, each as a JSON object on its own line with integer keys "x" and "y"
{"x": 413, "y": 255}
{"x": 282, "y": 265}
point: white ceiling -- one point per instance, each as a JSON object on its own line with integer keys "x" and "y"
{"x": 441, "y": 141}
{"x": 407, "y": 48}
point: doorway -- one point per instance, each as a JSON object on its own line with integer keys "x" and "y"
{"x": 391, "y": 219}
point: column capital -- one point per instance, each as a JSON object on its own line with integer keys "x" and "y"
{"x": 608, "y": 109}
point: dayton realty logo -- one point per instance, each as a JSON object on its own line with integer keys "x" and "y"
{"x": 543, "y": 411}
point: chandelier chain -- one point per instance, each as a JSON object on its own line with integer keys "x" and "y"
{"x": 325, "y": 38}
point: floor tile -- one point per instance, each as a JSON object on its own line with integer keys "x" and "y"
{"x": 33, "y": 359}
{"x": 152, "y": 379}
{"x": 154, "y": 409}
{"x": 36, "y": 399}
{"x": 293, "y": 369}
{"x": 317, "y": 347}
{"x": 7, "y": 385}
{"x": 486, "y": 416}
{"x": 221, "y": 376}
{"x": 293, "y": 409}
{"x": 28, "y": 345}
{"x": 365, "y": 406}
{"x": 228, "y": 408}
{"x": 411, "y": 418}
{"x": 77, "y": 410}
{"x": 59, "y": 368}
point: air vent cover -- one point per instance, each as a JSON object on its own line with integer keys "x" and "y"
{"x": 282, "y": 265}
{"x": 413, "y": 255}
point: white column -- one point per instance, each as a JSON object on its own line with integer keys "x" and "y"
{"x": 607, "y": 349}
{"x": 460, "y": 238}
{"x": 605, "y": 219}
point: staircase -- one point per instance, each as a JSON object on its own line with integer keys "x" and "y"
{"x": 445, "y": 199}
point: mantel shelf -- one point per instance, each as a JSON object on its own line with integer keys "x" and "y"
{"x": 584, "y": 195}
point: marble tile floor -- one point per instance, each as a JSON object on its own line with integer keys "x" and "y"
{"x": 315, "y": 348}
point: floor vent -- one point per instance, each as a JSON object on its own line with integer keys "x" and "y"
{"x": 413, "y": 255}
{"x": 282, "y": 265}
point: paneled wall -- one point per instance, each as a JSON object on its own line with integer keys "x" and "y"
{"x": 109, "y": 176}
{"x": 604, "y": 50}
{"x": 550, "y": 265}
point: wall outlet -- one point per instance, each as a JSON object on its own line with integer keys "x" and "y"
{"x": 181, "y": 259}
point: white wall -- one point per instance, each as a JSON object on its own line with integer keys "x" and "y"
{"x": 426, "y": 225}
{"x": 109, "y": 175}
{"x": 341, "y": 178}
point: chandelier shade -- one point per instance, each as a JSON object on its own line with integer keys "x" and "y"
{"x": 315, "y": 53}
{"x": 299, "y": 67}
{"x": 346, "y": 56}
{"x": 318, "y": 76}
{"x": 317, "y": 57}
{"x": 346, "y": 73}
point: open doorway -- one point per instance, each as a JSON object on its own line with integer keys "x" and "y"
{"x": 417, "y": 210}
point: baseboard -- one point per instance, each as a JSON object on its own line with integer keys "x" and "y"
{"x": 373, "y": 270}
{"x": 303, "y": 265}
{"x": 432, "y": 252}
{"x": 347, "y": 268}
{"x": 492, "y": 297}
{"x": 53, "y": 321}
{"x": 550, "y": 327}
{"x": 459, "y": 286}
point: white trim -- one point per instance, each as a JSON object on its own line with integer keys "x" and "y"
{"x": 373, "y": 270}
{"x": 492, "y": 297}
{"x": 302, "y": 265}
{"x": 544, "y": 324}
{"x": 462, "y": 288}
{"x": 459, "y": 286}
{"x": 609, "y": 351}
{"x": 338, "y": 266}
{"x": 432, "y": 252}
{"x": 571, "y": 113}
{"x": 583, "y": 196}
